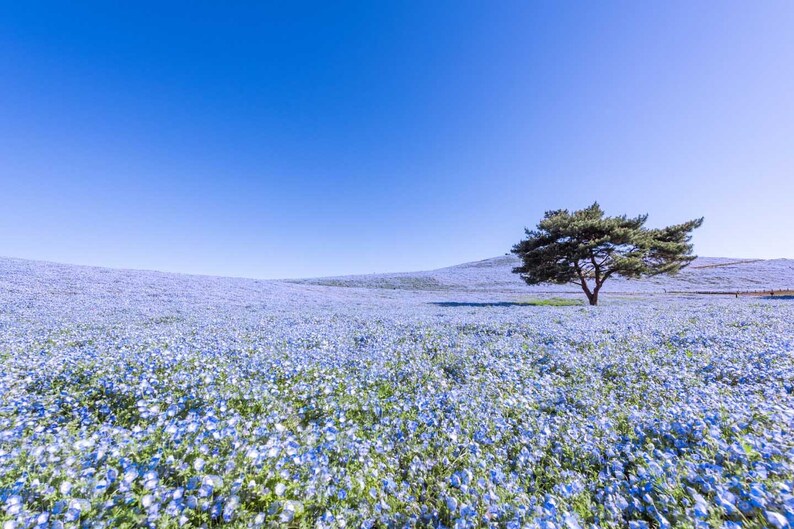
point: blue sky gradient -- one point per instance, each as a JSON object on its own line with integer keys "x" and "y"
{"x": 298, "y": 139}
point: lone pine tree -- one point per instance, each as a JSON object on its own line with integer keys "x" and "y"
{"x": 586, "y": 248}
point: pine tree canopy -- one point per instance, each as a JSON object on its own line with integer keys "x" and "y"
{"x": 586, "y": 248}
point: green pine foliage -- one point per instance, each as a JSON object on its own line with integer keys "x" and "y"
{"x": 586, "y": 248}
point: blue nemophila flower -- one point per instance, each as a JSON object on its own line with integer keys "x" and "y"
{"x": 776, "y": 520}
{"x": 326, "y": 407}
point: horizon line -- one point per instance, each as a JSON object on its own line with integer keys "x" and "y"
{"x": 171, "y": 272}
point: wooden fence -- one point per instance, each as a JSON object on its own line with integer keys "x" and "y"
{"x": 770, "y": 292}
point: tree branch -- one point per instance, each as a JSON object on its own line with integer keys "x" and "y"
{"x": 583, "y": 283}
{"x": 597, "y": 270}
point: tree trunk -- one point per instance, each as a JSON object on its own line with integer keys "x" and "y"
{"x": 592, "y": 295}
{"x": 593, "y": 298}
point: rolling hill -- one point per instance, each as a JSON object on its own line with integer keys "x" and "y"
{"x": 129, "y": 287}
{"x": 705, "y": 274}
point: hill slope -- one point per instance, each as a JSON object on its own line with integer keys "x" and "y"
{"x": 495, "y": 274}
{"x": 130, "y": 287}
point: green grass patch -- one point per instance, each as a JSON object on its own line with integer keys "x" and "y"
{"x": 551, "y": 302}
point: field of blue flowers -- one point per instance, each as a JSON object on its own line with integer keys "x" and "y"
{"x": 135, "y": 399}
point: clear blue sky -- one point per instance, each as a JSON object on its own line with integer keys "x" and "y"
{"x": 301, "y": 139}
